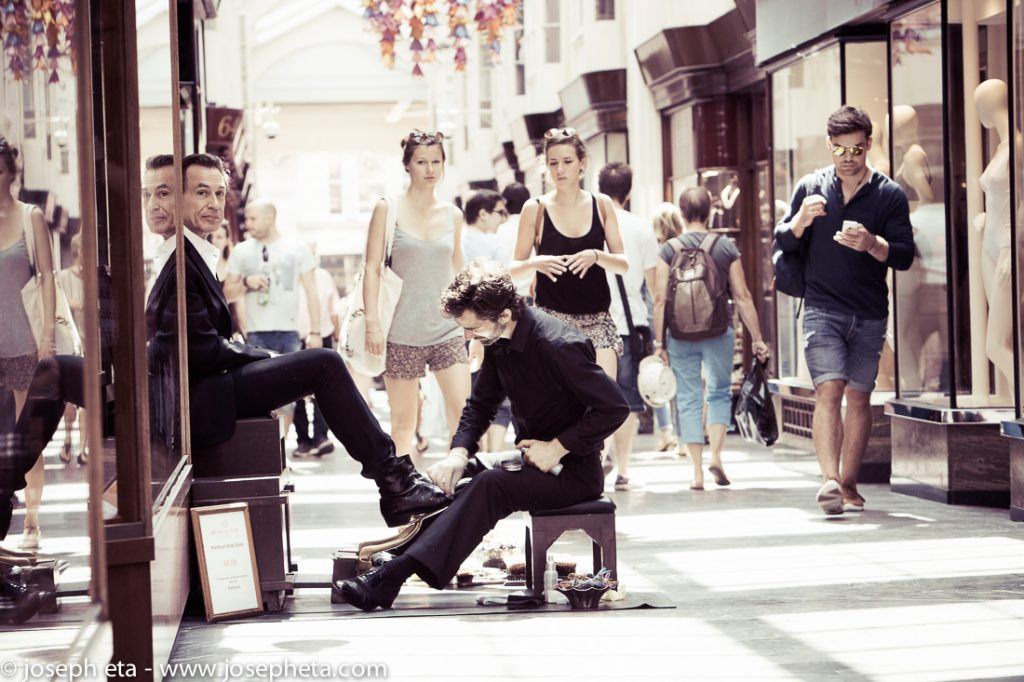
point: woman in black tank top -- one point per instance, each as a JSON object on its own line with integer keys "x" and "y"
{"x": 569, "y": 241}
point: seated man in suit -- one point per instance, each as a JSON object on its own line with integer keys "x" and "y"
{"x": 563, "y": 406}
{"x": 229, "y": 380}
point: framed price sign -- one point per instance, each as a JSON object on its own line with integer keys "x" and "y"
{"x": 227, "y": 561}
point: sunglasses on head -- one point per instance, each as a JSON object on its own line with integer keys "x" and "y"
{"x": 839, "y": 150}
{"x": 560, "y": 132}
{"x": 421, "y": 136}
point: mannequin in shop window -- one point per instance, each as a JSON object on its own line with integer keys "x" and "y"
{"x": 920, "y": 291}
{"x": 994, "y": 224}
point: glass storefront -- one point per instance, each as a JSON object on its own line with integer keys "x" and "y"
{"x": 1017, "y": 154}
{"x": 682, "y": 172}
{"x": 918, "y": 156}
{"x": 803, "y": 95}
{"x": 950, "y": 131}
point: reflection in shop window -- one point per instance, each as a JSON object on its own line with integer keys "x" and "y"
{"x": 918, "y": 149}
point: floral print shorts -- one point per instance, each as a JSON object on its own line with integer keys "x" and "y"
{"x": 410, "y": 362}
{"x": 598, "y": 327}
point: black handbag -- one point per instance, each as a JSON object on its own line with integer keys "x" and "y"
{"x": 639, "y": 338}
{"x": 755, "y": 411}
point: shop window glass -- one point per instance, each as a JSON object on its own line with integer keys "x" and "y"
{"x": 803, "y": 96}
{"x": 867, "y": 88}
{"x": 1018, "y": 127}
{"x": 979, "y": 208}
{"x": 918, "y": 162}
{"x": 683, "y": 170}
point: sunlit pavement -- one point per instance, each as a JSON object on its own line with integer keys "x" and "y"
{"x": 765, "y": 587}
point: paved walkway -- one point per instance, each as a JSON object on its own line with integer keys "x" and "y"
{"x": 766, "y": 587}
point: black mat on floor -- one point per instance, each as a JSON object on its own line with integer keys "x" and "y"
{"x": 314, "y": 604}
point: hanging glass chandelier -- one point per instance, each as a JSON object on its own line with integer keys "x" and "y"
{"x": 417, "y": 25}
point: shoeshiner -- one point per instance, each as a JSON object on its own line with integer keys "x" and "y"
{"x": 563, "y": 407}
{"x": 229, "y": 380}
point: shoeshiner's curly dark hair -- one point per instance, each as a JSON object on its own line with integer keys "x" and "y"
{"x": 485, "y": 288}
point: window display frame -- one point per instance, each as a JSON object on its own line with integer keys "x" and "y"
{"x": 959, "y": 391}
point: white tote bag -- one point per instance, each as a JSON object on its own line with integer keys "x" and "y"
{"x": 65, "y": 335}
{"x": 353, "y": 328}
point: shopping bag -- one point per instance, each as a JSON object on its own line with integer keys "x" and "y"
{"x": 755, "y": 412}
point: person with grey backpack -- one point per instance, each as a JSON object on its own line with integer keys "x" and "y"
{"x": 697, "y": 274}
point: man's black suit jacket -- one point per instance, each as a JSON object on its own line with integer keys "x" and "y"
{"x": 211, "y": 352}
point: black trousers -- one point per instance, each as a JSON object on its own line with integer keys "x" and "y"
{"x": 301, "y": 420}
{"x": 56, "y": 382}
{"x": 266, "y": 385}
{"x": 490, "y": 497}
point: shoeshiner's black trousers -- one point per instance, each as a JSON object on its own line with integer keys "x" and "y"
{"x": 491, "y": 496}
{"x": 260, "y": 387}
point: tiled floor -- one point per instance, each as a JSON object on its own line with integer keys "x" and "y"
{"x": 765, "y": 586}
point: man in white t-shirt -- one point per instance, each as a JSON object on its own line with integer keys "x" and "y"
{"x": 318, "y": 444}
{"x": 484, "y": 212}
{"x": 268, "y": 269}
{"x": 515, "y": 195}
{"x": 616, "y": 180}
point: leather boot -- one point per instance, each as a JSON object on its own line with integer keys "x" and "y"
{"x": 376, "y": 587}
{"x": 405, "y": 492}
{"x": 25, "y": 600}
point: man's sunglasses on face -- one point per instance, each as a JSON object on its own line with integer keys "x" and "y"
{"x": 839, "y": 150}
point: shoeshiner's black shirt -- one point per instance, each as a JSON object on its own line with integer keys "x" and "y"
{"x": 549, "y": 372}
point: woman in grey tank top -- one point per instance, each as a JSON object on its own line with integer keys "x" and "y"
{"x": 426, "y": 254}
{"x": 18, "y": 350}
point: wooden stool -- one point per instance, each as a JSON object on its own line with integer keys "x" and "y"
{"x": 596, "y": 518}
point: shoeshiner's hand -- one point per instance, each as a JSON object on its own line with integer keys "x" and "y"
{"x": 543, "y": 454}
{"x": 446, "y": 473}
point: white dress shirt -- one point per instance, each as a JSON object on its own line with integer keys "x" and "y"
{"x": 207, "y": 251}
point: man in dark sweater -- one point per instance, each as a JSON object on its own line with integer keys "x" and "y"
{"x": 856, "y": 225}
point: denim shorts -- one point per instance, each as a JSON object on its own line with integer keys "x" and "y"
{"x": 843, "y": 347}
{"x": 626, "y": 376}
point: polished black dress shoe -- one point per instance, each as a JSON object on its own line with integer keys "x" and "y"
{"x": 372, "y": 589}
{"x": 22, "y": 601}
{"x": 405, "y": 492}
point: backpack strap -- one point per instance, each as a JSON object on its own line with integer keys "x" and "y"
{"x": 677, "y": 247}
{"x": 538, "y": 223}
{"x": 708, "y": 243}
